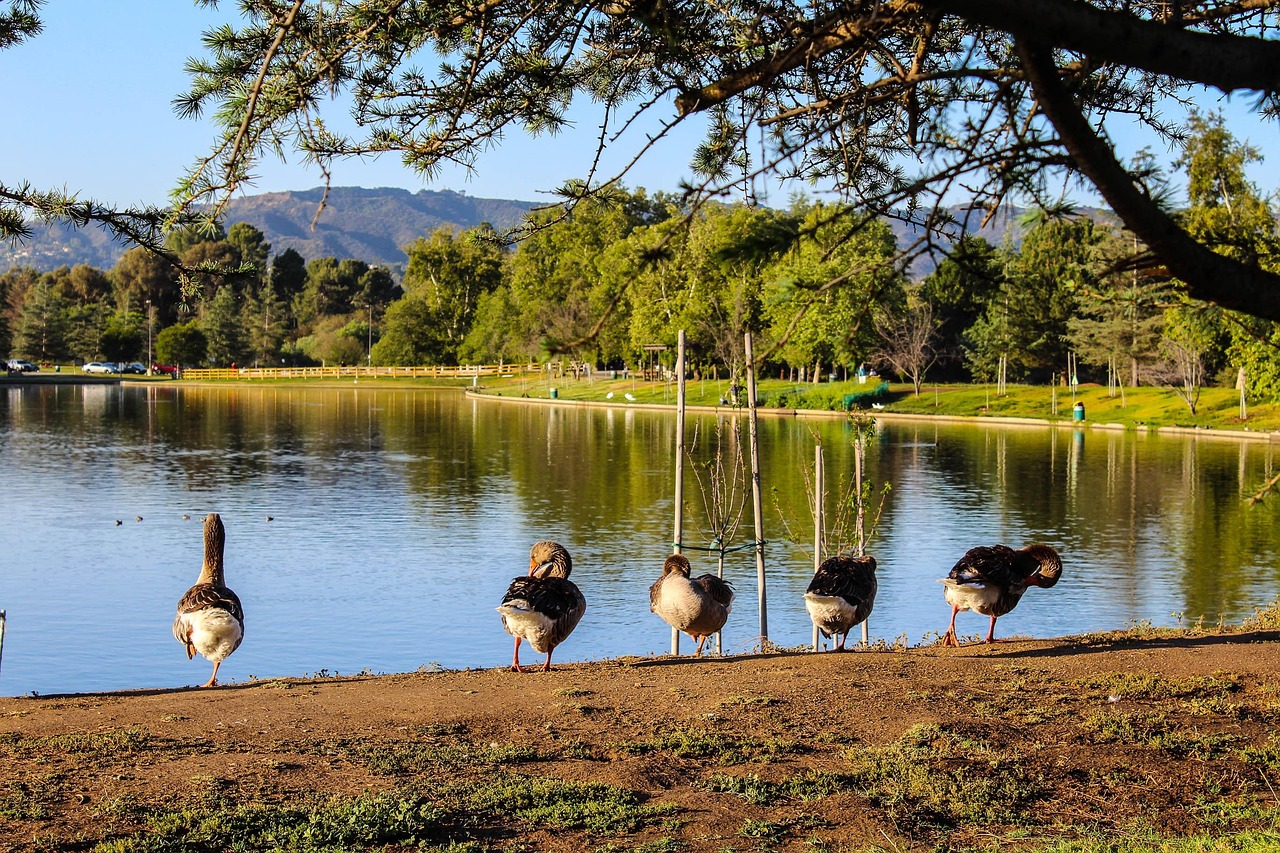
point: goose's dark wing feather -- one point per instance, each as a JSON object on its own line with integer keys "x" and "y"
{"x": 851, "y": 578}
{"x": 206, "y": 595}
{"x": 720, "y": 590}
{"x": 995, "y": 564}
{"x": 553, "y": 597}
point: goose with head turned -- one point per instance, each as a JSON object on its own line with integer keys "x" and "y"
{"x": 841, "y": 595}
{"x": 992, "y": 579}
{"x": 544, "y": 606}
{"x": 697, "y": 606}
{"x": 210, "y": 619}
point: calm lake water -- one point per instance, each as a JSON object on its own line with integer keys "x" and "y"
{"x": 399, "y": 516}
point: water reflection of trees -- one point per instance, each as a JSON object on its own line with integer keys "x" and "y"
{"x": 1142, "y": 518}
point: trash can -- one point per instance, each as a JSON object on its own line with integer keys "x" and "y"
{"x": 555, "y": 392}
{"x": 1077, "y": 412}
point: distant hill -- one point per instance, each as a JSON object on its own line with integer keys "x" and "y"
{"x": 370, "y": 224}
{"x": 374, "y": 225}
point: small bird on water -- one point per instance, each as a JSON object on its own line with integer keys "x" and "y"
{"x": 991, "y": 580}
{"x": 210, "y": 619}
{"x": 544, "y": 606}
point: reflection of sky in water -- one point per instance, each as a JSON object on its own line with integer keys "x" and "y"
{"x": 399, "y": 517}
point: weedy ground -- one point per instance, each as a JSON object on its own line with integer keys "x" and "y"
{"x": 1143, "y": 740}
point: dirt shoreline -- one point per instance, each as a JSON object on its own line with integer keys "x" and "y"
{"x": 1025, "y": 743}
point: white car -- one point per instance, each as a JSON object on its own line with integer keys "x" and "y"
{"x": 101, "y": 367}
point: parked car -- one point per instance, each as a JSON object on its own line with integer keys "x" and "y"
{"x": 165, "y": 369}
{"x": 101, "y": 367}
{"x": 133, "y": 367}
{"x": 17, "y": 365}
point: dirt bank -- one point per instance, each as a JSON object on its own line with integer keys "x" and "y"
{"x": 1026, "y": 743}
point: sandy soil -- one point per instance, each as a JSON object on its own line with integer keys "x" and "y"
{"x": 1023, "y": 742}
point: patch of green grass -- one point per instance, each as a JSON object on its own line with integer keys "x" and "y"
{"x": 1238, "y": 811}
{"x": 1157, "y": 731}
{"x": 765, "y": 829}
{"x": 91, "y": 743}
{"x": 1254, "y": 841}
{"x": 810, "y": 785}
{"x": 1150, "y": 686}
{"x": 336, "y": 823}
{"x": 599, "y": 809}
{"x": 1264, "y": 618}
{"x": 935, "y": 779}
{"x": 724, "y": 748}
{"x": 751, "y": 789}
{"x": 19, "y": 800}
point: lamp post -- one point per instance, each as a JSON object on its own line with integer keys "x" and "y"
{"x": 148, "y": 337}
{"x": 370, "y": 356}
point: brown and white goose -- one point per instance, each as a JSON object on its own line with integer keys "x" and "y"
{"x": 841, "y": 595}
{"x": 697, "y": 606}
{"x": 991, "y": 580}
{"x": 544, "y": 606}
{"x": 210, "y": 619}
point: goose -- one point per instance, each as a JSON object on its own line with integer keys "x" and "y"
{"x": 544, "y": 606}
{"x": 697, "y": 606}
{"x": 841, "y": 595}
{"x": 210, "y": 619}
{"x": 991, "y": 580}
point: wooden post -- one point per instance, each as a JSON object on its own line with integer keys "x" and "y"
{"x": 677, "y": 539}
{"x": 860, "y": 521}
{"x": 819, "y": 488}
{"x": 1, "y": 636}
{"x": 757, "y": 505}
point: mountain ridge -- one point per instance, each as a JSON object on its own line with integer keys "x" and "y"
{"x": 375, "y": 224}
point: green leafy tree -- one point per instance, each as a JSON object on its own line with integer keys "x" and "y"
{"x": 41, "y": 326}
{"x": 1227, "y": 212}
{"x": 288, "y": 275}
{"x": 223, "y": 328}
{"x": 251, "y": 246}
{"x": 266, "y": 315}
{"x": 334, "y": 341}
{"x": 495, "y": 333}
{"x": 123, "y": 338}
{"x": 566, "y": 300}
{"x": 140, "y": 275}
{"x": 1191, "y": 334}
{"x": 85, "y": 325}
{"x": 1026, "y": 323}
{"x": 824, "y": 295}
{"x": 959, "y": 291}
{"x": 331, "y": 289}
{"x": 411, "y": 334}
{"x": 449, "y": 273}
{"x": 1120, "y": 319}
{"x": 183, "y": 344}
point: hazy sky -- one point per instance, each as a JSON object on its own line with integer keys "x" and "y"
{"x": 87, "y": 107}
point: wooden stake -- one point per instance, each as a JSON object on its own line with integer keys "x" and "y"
{"x": 757, "y": 504}
{"x": 819, "y": 487}
{"x": 677, "y": 537}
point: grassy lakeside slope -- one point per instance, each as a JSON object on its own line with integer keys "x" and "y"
{"x": 1126, "y": 742}
{"x": 1144, "y": 406}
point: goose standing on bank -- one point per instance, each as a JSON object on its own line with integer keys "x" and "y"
{"x": 544, "y": 606}
{"x": 697, "y": 606}
{"x": 210, "y": 619}
{"x": 841, "y": 595}
{"x": 991, "y": 580}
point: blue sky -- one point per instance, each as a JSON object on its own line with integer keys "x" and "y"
{"x": 87, "y": 107}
